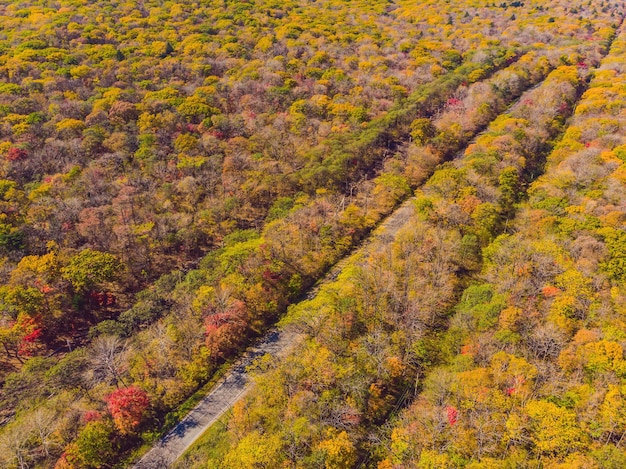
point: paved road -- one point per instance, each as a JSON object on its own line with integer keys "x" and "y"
{"x": 236, "y": 383}
{"x": 228, "y": 391}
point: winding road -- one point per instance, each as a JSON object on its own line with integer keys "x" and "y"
{"x": 276, "y": 342}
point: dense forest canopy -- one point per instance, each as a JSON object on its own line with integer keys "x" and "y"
{"x": 173, "y": 175}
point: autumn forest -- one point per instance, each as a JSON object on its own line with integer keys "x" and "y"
{"x": 175, "y": 177}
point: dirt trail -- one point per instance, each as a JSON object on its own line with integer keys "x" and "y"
{"x": 234, "y": 385}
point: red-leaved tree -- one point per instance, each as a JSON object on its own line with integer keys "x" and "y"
{"x": 127, "y": 406}
{"x": 452, "y": 415}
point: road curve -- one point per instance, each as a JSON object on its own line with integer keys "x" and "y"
{"x": 276, "y": 342}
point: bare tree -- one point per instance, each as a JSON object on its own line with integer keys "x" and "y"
{"x": 44, "y": 422}
{"x": 108, "y": 360}
{"x": 14, "y": 446}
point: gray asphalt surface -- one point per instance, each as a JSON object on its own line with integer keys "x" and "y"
{"x": 228, "y": 391}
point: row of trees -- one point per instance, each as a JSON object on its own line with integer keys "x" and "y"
{"x": 536, "y": 373}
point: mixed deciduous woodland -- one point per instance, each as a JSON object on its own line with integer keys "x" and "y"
{"x": 175, "y": 175}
